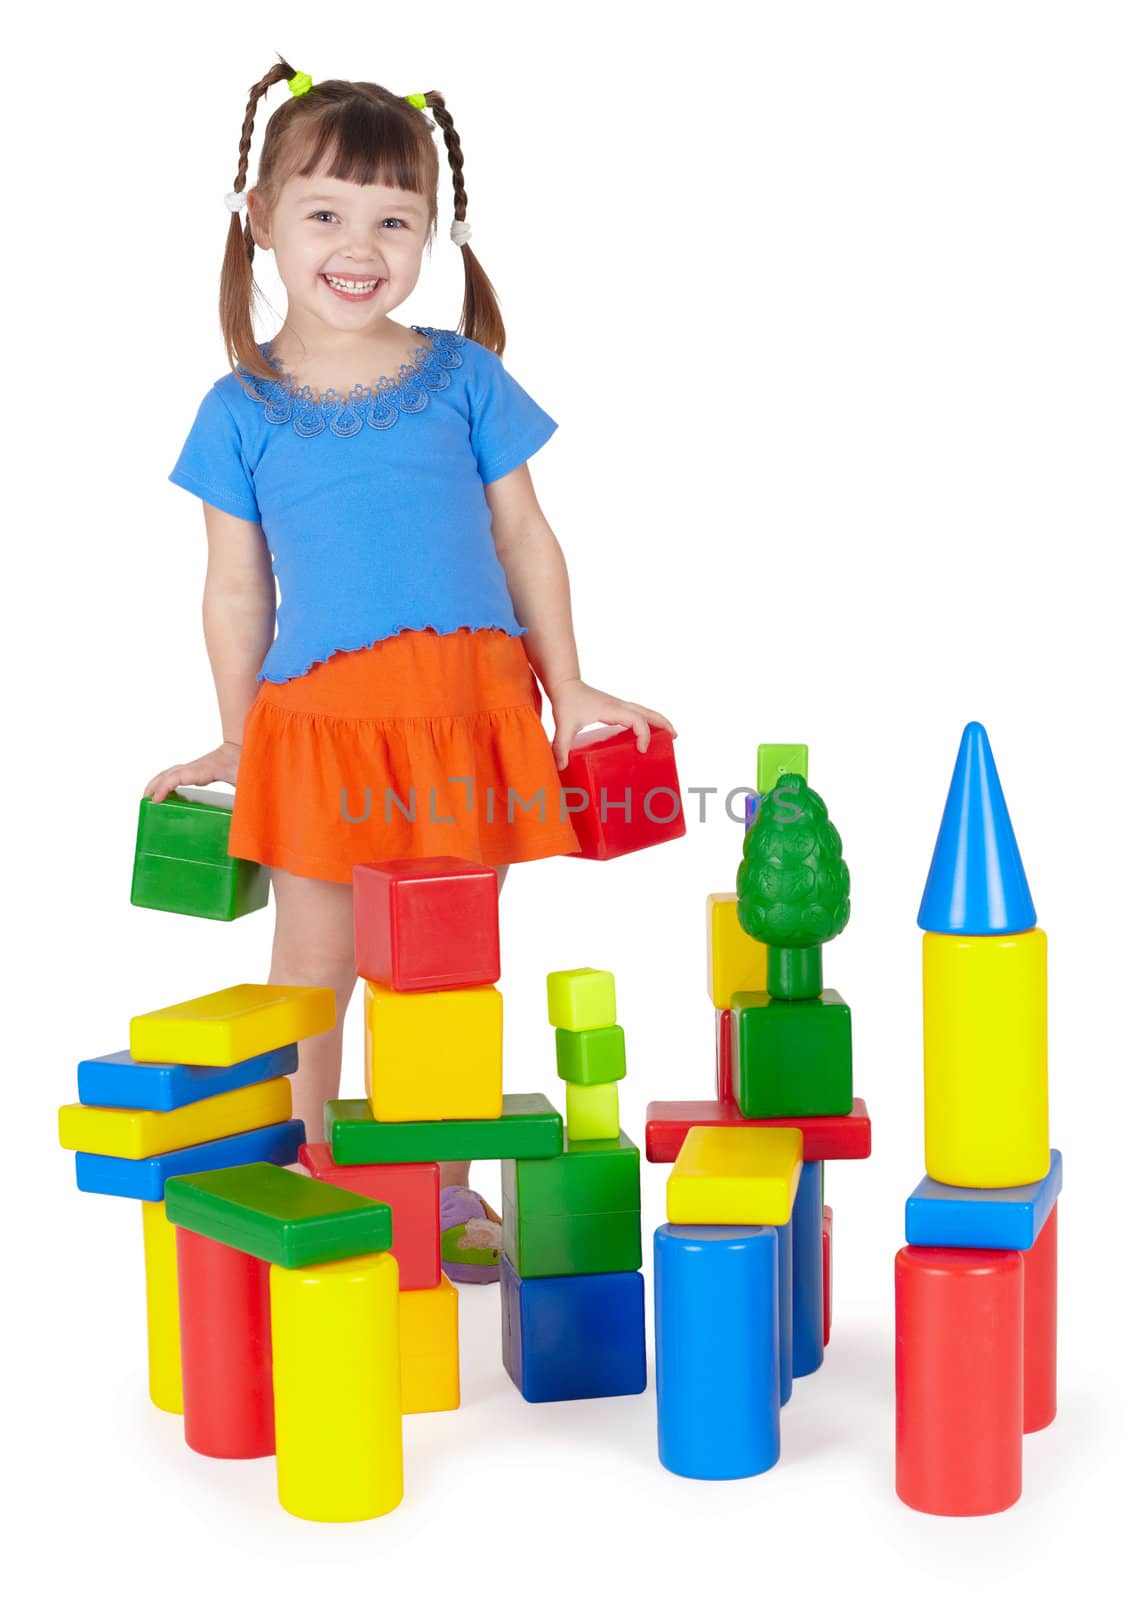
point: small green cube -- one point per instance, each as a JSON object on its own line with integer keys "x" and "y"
{"x": 581, "y": 998}
{"x": 791, "y": 1058}
{"x": 578, "y": 1213}
{"x": 181, "y": 860}
{"x": 591, "y": 1055}
{"x": 773, "y": 760}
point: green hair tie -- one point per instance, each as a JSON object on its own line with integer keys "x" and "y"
{"x": 300, "y": 83}
{"x": 417, "y": 100}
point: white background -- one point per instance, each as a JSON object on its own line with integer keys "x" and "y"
{"x": 832, "y": 304}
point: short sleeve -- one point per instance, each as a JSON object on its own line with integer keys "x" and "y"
{"x": 507, "y": 425}
{"x": 212, "y": 465}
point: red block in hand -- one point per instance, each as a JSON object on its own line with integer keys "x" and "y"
{"x": 412, "y": 1192}
{"x": 429, "y": 923}
{"x": 619, "y": 798}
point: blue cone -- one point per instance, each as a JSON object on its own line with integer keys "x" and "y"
{"x": 976, "y": 883}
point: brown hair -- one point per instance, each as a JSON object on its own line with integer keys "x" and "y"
{"x": 362, "y": 134}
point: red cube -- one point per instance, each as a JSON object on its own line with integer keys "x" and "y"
{"x": 429, "y": 923}
{"x": 413, "y": 1194}
{"x": 618, "y": 798}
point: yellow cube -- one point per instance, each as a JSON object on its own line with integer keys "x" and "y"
{"x": 220, "y": 1029}
{"x": 581, "y": 998}
{"x": 113, "y": 1131}
{"x": 592, "y": 1111}
{"x": 434, "y": 1055}
{"x": 735, "y": 960}
{"x": 430, "y": 1348}
{"x": 736, "y": 1175}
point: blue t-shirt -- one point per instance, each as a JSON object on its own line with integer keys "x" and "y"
{"x": 372, "y": 503}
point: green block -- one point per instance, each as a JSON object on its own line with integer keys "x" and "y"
{"x": 279, "y": 1216}
{"x": 791, "y": 1058}
{"x": 581, "y": 998}
{"x": 578, "y": 1213}
{"x": 529, "y": 1127}
{"x": 591, "y": 1055}
{"x": 181, "y": 860}
{"x": 773, "y": 760}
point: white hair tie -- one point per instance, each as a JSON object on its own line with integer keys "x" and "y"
{"x": 460, "y": 232}
{"x": 236, "y": 202}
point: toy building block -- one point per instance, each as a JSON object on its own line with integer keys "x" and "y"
{"x": 716, "y": 1299}
{"x": 279, "y": 1216}
{"x": 667, "y": 1123}
{"x": 590, "y": 1055}
{"x": 982, "y": 1219}
{"x": 430, "y": 1348}
{"x": 774, "y": 761}
{"x": 1040, "y": 1327}
{"x": 413, "y": 1194}
{"x": 573, "y": 1338}
{"x": 807, "y": 1343}
{"x": 827, "y": 1272}
{"x": 735, "y": 959}
{"x": 335, "y": 1335}
{"x": 592, "y": 1111}
{"x": 985, "y": 1059}
{"x": 119, "y": 1080}
{"x": 225, "y": 1324}
{"x": 220, "y": 1029}
{"x": 735, "y": 1176}
{"x": 620, "y": 798}
{"x": 724, "y": 1085}
{"x": 786, "y": 1281}
{"x": 577, "y": 1213}
{"x": 529, "y": 1126}
{"x": 163, "y": 1332}
{"x": 791, "y": 1058}
{"x": 427, "y": 923}
{"x": 434, "y": 1055}
{"x": 134, "y": 1135}
{"x": 181, "y": 860}
{"x": 145, "y": 1179}
{"x": 959, "y": 1379}
{"x": 582, "y": 997}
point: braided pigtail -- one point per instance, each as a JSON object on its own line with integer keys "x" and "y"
{"x": 481, "y": 319}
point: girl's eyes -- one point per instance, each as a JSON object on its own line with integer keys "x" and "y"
{"x": 317, "y": 214}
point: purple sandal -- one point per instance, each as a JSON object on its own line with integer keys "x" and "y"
{"x": 470, "y": 1240}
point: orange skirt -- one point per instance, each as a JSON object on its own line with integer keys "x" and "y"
{"x": 423, "y": 744}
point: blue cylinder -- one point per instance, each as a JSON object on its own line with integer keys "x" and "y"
{"x": 717, "y": 1328}
{"x": 806, "y": 1295}
{"x": 786, "y": 1309}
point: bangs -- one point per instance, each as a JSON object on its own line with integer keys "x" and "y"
{"x": 360, "y": 141}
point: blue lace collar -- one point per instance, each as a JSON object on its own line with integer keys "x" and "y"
{"x": 374, "y": 406}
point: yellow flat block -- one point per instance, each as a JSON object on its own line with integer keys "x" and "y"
{"x": 434, "y": 1055}
{"x": 592, "y": 1111}
{"x": 163, "y": 1321}
{"x": 220, "y": 1029}
{"x": 736, "y": 1175}
{"x": 985, "y": 1059}
{"x": 112, "y": 1131}
{"x": 735, "y": 960}
{"x": 430, "y": 1348}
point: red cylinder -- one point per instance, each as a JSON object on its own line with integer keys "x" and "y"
{"x": 959, "y": 1380}
{"x": 1040, "y": 1328}
{"x": 225, "y": 1349}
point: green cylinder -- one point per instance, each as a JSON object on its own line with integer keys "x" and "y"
{"x": 794, "y": 974}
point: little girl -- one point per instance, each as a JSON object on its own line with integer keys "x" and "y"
{"x": 391, "y": 709}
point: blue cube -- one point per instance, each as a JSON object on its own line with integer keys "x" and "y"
{"x": 573, "y": 1338}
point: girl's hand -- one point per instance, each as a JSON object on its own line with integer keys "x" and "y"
{"x": 576, "y": 705}
{"x": 221, "y": 764}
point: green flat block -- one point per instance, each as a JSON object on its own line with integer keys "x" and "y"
{"x": 773, "y": 760}
{"x": 579, "y": 1212}
{"x": 563, "y": 1247}
{"x": 279, "y": 1216}
{"x": 181, "y": 860}
{"x": 530, "y": 1127}
{"x": 791, "y": 1058}
{"x": 593, "y": 1055}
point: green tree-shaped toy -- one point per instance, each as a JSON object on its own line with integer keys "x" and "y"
{"x": 793, "y": 886}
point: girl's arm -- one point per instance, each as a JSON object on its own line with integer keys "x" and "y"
{"x": 238, "y": 612}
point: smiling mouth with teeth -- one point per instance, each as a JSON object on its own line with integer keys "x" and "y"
{"x": 360, "y": 288}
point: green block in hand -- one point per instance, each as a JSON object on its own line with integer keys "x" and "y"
{"x": 181, "y": 860}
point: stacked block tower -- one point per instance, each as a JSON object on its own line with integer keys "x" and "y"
{"x": 976, "y": 1308}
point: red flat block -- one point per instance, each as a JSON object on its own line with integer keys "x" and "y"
{"x": 959, "y": 1380}
{"x": 225, "y": 1312}
{"x": 1040, "y": 1328}
{"x": 430, "y": 923}
{"x": 413, "y": 1193}
{"x": 824, "y": 1138}
{"x": 827, "y": 1271}
{"x": 619, "y": 798}
{"x": 724, "y": 1056}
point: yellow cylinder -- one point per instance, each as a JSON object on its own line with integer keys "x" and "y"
{"x": 163, "y": 1321}
{"x": 985, "y": 1059}
{"x": 336, "y": 1371}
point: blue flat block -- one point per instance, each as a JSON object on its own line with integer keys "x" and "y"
{"x": 145, "y": 1180}
{"x": 573, "y": 1338}
{"x": 982, "y": 1219}
{"x": 717, "y": 1303}
{"x": 806, "y": 1288}
{"x": 119, "y": 1080}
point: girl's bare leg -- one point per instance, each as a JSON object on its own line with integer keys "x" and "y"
{"x": 456, "y": 1172}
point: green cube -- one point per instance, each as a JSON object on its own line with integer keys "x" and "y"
{"x": 279, "y": 1216}
{"x": 591, "y": 1055}
{"x": 581, "y": 998}
{"x": 773, "y": 760}
{"x": 791, "y": 1058}
{"x": 578, "y": 1213}
{"x": 530, "y": 1127}
{"x": 181, "y": 860}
